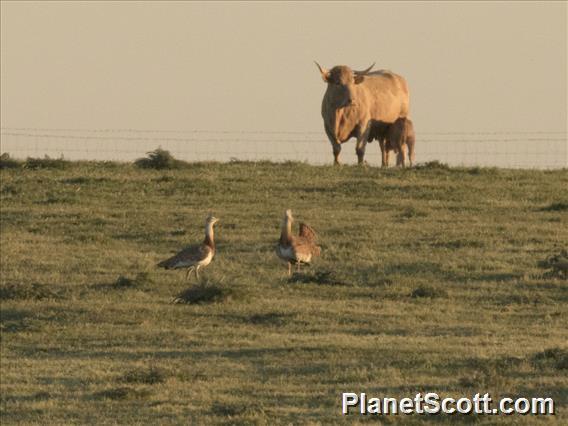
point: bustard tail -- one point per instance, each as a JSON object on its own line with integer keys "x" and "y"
{"x": 308, "y": 233}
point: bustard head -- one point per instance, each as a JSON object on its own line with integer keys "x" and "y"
{"x": 211, "y": 220}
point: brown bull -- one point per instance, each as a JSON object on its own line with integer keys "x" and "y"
{"x": 356, "y": 101}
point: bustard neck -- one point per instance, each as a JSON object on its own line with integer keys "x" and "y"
{"x": 209, "y": 236}
{"x": 286, "y": 230}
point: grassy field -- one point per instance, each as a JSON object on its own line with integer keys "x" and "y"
{"x": 428, "y": 282}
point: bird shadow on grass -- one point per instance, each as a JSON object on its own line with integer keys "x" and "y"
{"x": 322, "y": 277}
{"x": 140, "y": 280}
{"x": 207, "y": 291}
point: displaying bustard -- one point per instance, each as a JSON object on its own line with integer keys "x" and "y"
{"x": 195, "y": 256}
{"x": 296, "y": 249}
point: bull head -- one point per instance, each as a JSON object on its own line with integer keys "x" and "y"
{"x": 358, "y": 76}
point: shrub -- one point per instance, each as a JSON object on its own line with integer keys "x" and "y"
{"x": 8, "y": 163}
{"x": 46, "y": 163}
{"x": 159, "y": 159}
{"x": 433, "y": 165}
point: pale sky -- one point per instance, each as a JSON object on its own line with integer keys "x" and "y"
{"x": 249, "y": 66}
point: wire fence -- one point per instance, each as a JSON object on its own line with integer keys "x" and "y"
{"x": 540, "y": 149}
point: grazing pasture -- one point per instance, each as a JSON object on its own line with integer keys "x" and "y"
{"x": 428, "y": 281}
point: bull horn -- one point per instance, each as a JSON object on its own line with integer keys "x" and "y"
{"x": 323, "y": 71}
{"x": 365, "y": 71}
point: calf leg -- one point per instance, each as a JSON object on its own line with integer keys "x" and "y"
{"x": 411, "y": 151}
{"x": 400, "y": 159}
{"x": 360, "y": 150}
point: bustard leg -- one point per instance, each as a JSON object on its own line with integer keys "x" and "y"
{"x": 197, "y": 273}
{"x": 289, "y": 269}
{"x": 189, "y": 270}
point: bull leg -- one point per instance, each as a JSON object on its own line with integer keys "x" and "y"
{"x": 362, "y": 144}
{"x": 335, "y": 145}
{"x": 384, "y": 153}
{"x": 336, "y": 151}
{"x": 360, "y": 150}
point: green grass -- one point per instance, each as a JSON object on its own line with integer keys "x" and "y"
{"x": 428, "y": 282}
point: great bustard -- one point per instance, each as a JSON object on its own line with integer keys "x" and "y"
{"x": 296, "y": 249}
{"x": 195, "y": 256}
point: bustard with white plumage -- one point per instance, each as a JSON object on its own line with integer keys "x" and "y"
{"x": 195, "y": 256}
{"x": 296, "y": 250}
